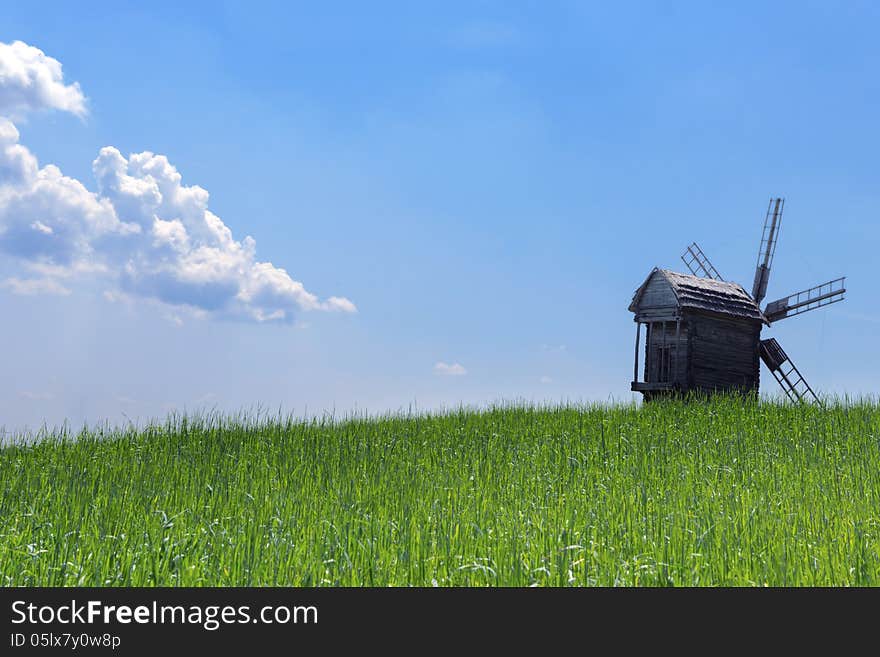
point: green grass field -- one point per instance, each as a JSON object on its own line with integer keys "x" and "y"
{"x": 717, "y": 492}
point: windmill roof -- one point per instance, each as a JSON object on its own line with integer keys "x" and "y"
{"x": 706, "y": 294}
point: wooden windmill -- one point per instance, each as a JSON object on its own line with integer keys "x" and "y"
{"x": 704, "y": 333}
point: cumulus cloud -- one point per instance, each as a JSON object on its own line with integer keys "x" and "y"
{"x": 143, "y": 230}
{"x": 31, "y": 81}
{"x": 449, "y": 369}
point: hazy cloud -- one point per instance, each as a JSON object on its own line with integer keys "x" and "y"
{"x": 545, "y": 380}
{"x": 33, "y": 286}
{"x": 145, "y": 231}
{"x": 30, "y": 395}
{"x": 207, "y": 398}
{"x": 447, "y": 369}
{"x": 485, "y": 34}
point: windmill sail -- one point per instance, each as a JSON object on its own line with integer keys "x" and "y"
{"x": 809, "y": 299}
{"x": 767, "y": 249}
{"x": 699, "y": 264}
{"x": 786, "y": 374}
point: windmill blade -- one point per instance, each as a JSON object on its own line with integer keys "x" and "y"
{"x": 786, "y": 374}
{"x": 809, "y": 299}
{"x": 767, "y": 249}
{"x": 699, "y": 264}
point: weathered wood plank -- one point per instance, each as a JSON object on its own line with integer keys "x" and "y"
{"x": 658, "y": 293}
{"x": 724, "y": 354}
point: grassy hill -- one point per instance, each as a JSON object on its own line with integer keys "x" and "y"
{"x": 720, "y": 492}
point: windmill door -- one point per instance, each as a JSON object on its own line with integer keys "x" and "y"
{"x": 663, "y": 352}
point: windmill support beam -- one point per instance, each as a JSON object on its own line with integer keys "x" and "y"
{"x": 677, "y": 346}
{"x": 636, "y": 366}
{"x": 663, "y": 361}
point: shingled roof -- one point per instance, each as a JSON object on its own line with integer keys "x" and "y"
{"x": 705, "y": 294}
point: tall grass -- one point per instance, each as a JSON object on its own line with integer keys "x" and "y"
{"x": 717, "y": 492}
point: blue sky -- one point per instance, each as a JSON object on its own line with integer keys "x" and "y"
{"x": 485, "y": 182}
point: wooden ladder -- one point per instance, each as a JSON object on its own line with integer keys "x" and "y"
{"x": 784, "y": 371}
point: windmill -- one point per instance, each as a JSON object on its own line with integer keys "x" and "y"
{"x": 704, "y": 333}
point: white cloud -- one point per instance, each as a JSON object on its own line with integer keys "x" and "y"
{"x": 36, "y": 396}
{"x": 207, "y": 398}
{"x": 545, "y": 380}
{"x": 339, "y": 303}
{"x": 177, "y": 320}
{"x": 447, "y": 369}
{"x": 144, "y": 231}
{"x": 33, "y": 286}
{"x": 485, "y": 35}
{"x": 30, "y": 81}
{"x": 116, "y": 297}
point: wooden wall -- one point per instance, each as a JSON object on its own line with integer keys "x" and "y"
{"x": 724, "y": 352}
{"x": 657, "y": 300}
